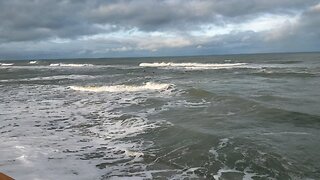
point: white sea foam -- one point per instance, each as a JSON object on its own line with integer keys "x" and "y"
{"x": 69, "y": 65}
{"x": 149, "y": 86}
{"x": 248, "y": 175}
{"x": 223, "y": 143}
{"x": 71, "y": 137}
{"x": 215, "y": 151}
{"x": 6, "y": 64}
{"x": 187, "y": 104}
{"x": 33, "y": 62}
{"x": 212, "y": 66}
{"x": 224, "y": 170}
{"x": 194, "y": 66}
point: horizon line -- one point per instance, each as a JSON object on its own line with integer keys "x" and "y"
{"x": 156, "y": 56}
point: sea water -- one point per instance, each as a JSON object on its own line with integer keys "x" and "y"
{"x": 208, "y": 117}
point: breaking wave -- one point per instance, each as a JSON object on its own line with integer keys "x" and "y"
{"x": 149, "y": 86}
{"x": 70, "y": 65}
{"x": 194, "y": 66}
{"x": 33, "y": 62}
{"x": 6, "y": 64}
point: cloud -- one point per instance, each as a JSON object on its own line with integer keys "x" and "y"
{"x": 37, "y": 20}
{"x": 178, "y": 15}
{"x": 96, "y": 28}
{"x": 301, "y": 34}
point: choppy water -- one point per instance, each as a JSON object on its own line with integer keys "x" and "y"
{"x": 215, "y": 117}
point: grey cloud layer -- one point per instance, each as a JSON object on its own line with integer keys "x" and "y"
{"x": 36, "y": 21}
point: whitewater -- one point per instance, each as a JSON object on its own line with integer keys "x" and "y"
{"x": 208, "y": 117}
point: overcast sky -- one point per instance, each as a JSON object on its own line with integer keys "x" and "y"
{"x": 110, "y": 28}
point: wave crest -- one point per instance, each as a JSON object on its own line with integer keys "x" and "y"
{"x": 149, "y": 86}
{"x": 194, "y": 66}
{"x": 70, "y": 65}
{"x": 6, "y": 64}
{"x": 33, "y": 62}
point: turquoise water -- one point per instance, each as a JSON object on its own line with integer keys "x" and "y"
{"x": 210, "y": 117}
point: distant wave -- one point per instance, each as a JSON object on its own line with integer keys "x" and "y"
{"x": 194, "y": 66}
{"x": 49, "y": 78}
{"x": 70, "y": 65}
{"x": 6, "y": 64}
{"x": 33, "y": 62}
{"x": 149, "y": 86}
{"x": 285, "y": 133}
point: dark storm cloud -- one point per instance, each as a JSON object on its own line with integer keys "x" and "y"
{"x": 181, "y": 14}
{"x": 310, "y": 22}
{"x": 303, "y": 35}
{"x": 32, "y": 26}
{"x": 35, "y": 19}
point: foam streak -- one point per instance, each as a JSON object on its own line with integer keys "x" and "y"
{"x": 149, "y": 86}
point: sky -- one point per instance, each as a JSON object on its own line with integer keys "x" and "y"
{"x": 31, "y": 29}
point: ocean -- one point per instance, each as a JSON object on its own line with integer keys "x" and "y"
{"x": 203, "y": 117}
